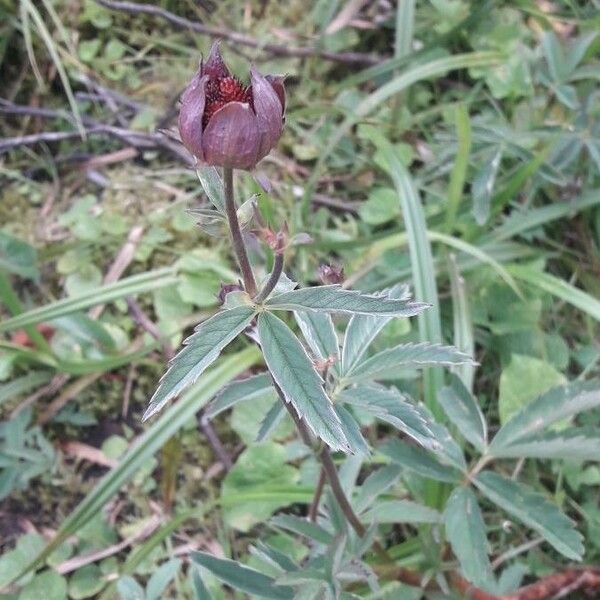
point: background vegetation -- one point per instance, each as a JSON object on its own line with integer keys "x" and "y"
{"x": 447, "y": 144}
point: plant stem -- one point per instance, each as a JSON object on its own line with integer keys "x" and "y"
{"x": 314, "y": 507}
{"x": 273, "y": 279}
{"x": 236, "y": 233}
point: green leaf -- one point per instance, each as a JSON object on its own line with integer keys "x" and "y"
{"x": 17, "y": 256}
{"x": 363, "y": 329}
{"x": 161, "y": 578}
{"x": 86, "y": 582}
{"x": 200, "y": 590}
{"x": 213, "y": 186}
{"x": 300, "y": 383}
{"x": 464, "y": 412}
{"x": 271, "y": 420}
{"x": 381, "y": 207}
{"x": 129, "y": 286}
{"x": 418, "y": 460}
{"x": 241, "y": 577}
{"x": 391, "y": 406}
{"x": 483, "y": 188}
{"x": 376, "y": 483}
{"x": 401, "y": 511}
{"x": 257, "y": 469}
{"x": 334, "y": 298}
{"x": 23, "y": 384}
{"x": 202, "y": 348}
{"x": 523, "y": 380}
{"x": 466, "y": 533}
{"x": 304, "y": 527}
{"x": 319, "y": 332}
{"x": 130, "y": 589}
{"x": 48, "y": 585}
{"x": 250, "y": 388}
{"x": 555, "y": 405}
{"x": 387, "y": 363}
{"x": 146, "y": 445}
{"x": 352, "y": 430}
{"x": 532, "y": 509}
{"x": 576, "y": 444}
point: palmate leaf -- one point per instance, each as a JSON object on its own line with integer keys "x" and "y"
{"x": 363, "y": 329}
{"x": 334, "y": 298}
{"x": 576, "y": 443}
{"x": 532, "y": 509}
{"x": 466, "y": 533}
{"x": 387, "y": 364}
{"x": 300, "y": 383}
{"x": 464, "y": 412}
{"x": 391, "y": 406}
{"x": 557, "y": 404}
{"x": 201, "y": 349}
{"x": 242, "y": 578}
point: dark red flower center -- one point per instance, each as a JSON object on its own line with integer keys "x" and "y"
{"x": 222, "y": 91}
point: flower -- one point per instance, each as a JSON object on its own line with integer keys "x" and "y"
{"x": 226, "y": 124}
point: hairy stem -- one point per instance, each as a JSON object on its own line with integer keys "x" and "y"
{"x": 273, "y": 279}
{"x": 236, "y": 233}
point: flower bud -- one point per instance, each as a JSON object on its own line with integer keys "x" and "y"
{"x": 225, "y": 124}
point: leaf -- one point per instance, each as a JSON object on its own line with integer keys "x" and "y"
{"x": 241, "y": 577}
{"x": 146, "y": 445}
{"x": 161, "y": 578}
{"x": 576, "y": 444}
{"x": 200, "y": 590}
{"x": 212, "y": 185}
{"x": 401, "y": 511}
{"x": 419, "y": 461}
{"x": 130, "y": 589}
{"x": 363, "y": 329}
{"x": 352, "y": 431}
{"x": 17, "y": 256}
{"x": 271, "y": 420}
{"x": 531, "y": 508}
{"x": 393, "y": 407}
{"x": 48, "y": 585}
{"x": 300, "y": 383}
{"x": 464, "y": 412}
{"x": 555, "y": 405}
{"x": 129, "y": 286}
{"x": 23, "y": 384}
{"x": 257, "y": 468}
{"x": 319, "y": 332}
{"x": 308, "y": 529}
{"x": 376, "y": 483}
{"x": 483, "y": 188}
{"x": 387, "y": 363}
{"x": 201, "y": 349}
{"x": 466, "y": 533}
{"x": 523, "y": 380}
{"x": 334, "y": 298}
{"x": 250, "y": 388}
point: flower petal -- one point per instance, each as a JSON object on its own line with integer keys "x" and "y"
{"x": 232, "y": 138}
{"x": 277, "y": 82}
{"x": 190, "y": 116}
{"x": 215, "y": 66}
{"x": 269, "y": 111}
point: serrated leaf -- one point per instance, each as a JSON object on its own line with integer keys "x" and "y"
{"x": 418, "y": 460}
{"x": 319, "y": 332}
{"x": 401, "y": 511}
{"x": 213, "y": 186}
{"x": 334, "y": 298}
{"x": 243, "y": 390}
{"x": 271, "y": 420}
{"x": 363, "y": 329}
{"x": 241, "y": 577}
{"x": 352, "y": 430}
{"x": 555, "y": 405}
{"x": 393, "y": 407}
{"x": 462, "y": 410}
{"x": 532, "y": 509}
{"x": 308, "y": 529}
{"x": 387, "y": 363}
{"x": 466, "y": 533}
{"x": 300, "y": 383}
{"x": 376, "y": 483}
{"x": 202, "y": 348}
{"x": 576, "y": 444}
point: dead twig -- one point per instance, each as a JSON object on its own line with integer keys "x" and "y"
{"x": 357, "y": 58}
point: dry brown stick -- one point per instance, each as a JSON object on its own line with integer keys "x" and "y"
{"x": 357, "y": 58}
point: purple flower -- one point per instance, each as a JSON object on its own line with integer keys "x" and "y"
{"x": 226, "y": 124}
